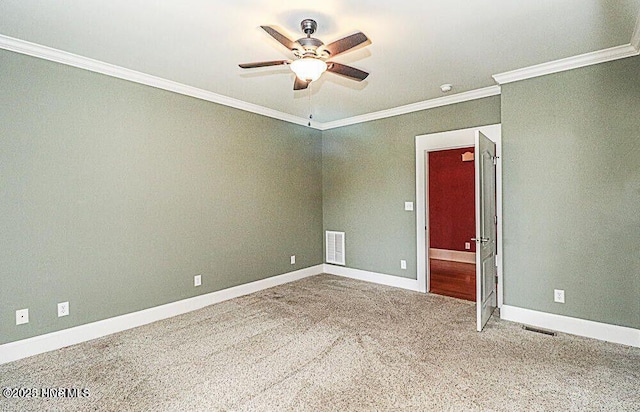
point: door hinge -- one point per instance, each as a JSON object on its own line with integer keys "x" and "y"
{"x": 495, "y": 219}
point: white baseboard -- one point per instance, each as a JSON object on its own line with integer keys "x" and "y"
{"x": 43, "y": 343}
{"x": 39, "y": 344}
{"x": 574, "y": 326}
{"x": 452, "y": 255}
{"x": 381, "y": 278}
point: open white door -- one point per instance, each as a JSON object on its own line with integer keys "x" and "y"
{"x": 486, "y": 238}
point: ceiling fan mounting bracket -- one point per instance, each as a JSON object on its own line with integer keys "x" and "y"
{"x": 308, "y": 26}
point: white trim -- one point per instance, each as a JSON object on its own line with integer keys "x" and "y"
{"x": 414, "y": 107}
{"x": 575, "y": 326}
{"x": 451, "y": 140}
{"x": 70, "y": 59}
{"x": 582, "y": 60}
{"x": 452, "y": 255}
{"x": 635, "y": 37}
{"x": 373, "y": 277}
{"x": 39, "y": 344}
{"x": 74, "y": 60}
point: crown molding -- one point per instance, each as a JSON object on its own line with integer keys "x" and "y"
{"x": 415, "y": 107}
{"x": 556, "y": 66}
{"x": 96, "y": 66}
{"x": 70, "y": 59}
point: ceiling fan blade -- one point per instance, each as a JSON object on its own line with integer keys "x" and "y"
{"x": 264, "y": 64}
{"x": 347, "y": 71}
{"x": 300, "y": 84}
{"x": 346, "y": 43}
{"x": 281, "y": 38}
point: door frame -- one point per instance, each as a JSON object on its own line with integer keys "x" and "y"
{"x": 454, "y": 139}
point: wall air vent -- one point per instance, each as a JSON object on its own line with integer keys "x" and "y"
{"x": 335, "y": 247}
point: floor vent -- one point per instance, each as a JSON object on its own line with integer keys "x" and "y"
{"x": 538, "y": 330}
{"x": 335, "y": 247}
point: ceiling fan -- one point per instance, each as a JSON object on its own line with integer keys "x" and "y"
{"x": 312, "y": 54}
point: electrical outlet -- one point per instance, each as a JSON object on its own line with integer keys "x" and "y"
{"x": 467, "y": 245}
{"x": 558, "y": 295}
{"x": 293, "y": 259}
{"x": 22, "y": 316}
{"x": 197, "y": 280}
{"x": 403, "y": 264}
{"x": 408, "y": 206}
{"x": 63, "y": 309}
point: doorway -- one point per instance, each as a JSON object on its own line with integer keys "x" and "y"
{"x": 451, "y": 221}
{"x": 455, "y": 140}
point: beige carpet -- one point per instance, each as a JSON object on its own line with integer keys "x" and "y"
{"x": 329, "y": 343}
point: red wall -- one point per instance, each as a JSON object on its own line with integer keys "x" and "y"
{"x": 451, "y": 200}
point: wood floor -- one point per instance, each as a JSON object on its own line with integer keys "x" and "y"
{"x": 453, "y": 279}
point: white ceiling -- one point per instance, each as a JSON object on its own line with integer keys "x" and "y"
{"x": 416, "y": 45}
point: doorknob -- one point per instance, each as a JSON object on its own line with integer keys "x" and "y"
{"x": 480, "y": 240}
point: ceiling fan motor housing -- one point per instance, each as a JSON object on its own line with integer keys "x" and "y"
{"x": 310, "y": 45}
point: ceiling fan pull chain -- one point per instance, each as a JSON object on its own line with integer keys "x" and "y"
{"x": 310, "y": 114}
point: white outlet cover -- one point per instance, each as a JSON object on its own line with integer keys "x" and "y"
{"x": 197, "y": 280}
{"x": 293, "y": 259}
{"x": 408, "y": 206}
{"x": 22, "y": 316}
{"x": 558, "y": 295}
{"x": 403, "y": 264}
{"x": 63, "y": 309}
{"x": 467, "y": 245}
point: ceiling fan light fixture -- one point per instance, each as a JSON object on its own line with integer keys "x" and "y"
{"x": 308, "y": 68}
{"x": 310, "y": 55}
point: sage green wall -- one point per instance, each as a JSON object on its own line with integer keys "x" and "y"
{"x": 369, "y": 171}
{"x": 114, "y": 195}
{"x": 571, "y": 176}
